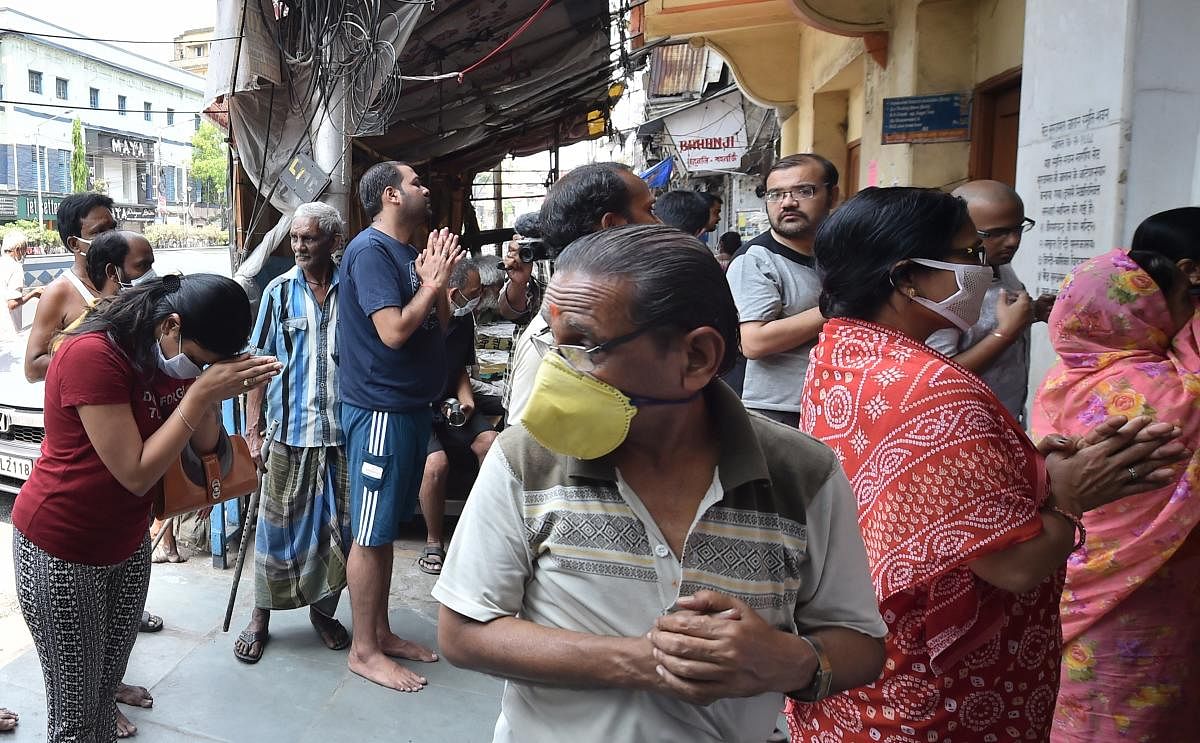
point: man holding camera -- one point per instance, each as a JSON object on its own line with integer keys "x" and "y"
{"x": 455, "y": 422}
{"x": 590, "y": 198}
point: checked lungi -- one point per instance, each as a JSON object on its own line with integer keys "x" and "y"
{"x": 303, "y": 527}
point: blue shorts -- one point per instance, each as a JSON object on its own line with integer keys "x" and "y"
{"x": 385, "y": 455}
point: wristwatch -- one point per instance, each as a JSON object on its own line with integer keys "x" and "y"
{"x": 822, "y": 677}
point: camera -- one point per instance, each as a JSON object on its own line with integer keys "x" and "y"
{"x": 453, "y": 413}
{"x": 530, "y": 249}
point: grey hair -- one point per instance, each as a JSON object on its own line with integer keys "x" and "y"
{"x": 489, "y": 273}
{"x": 463, "y": 271}
{"x": 329, "y": 222}
{"x": 678, "y": 285}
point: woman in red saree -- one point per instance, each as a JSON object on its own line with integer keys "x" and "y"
{"x": 966, "y": 537}
{"x": 1125, "y": 331}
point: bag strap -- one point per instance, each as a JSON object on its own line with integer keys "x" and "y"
{"x": 212, "y": 476}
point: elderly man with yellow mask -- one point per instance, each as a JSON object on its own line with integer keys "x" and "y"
{"x": 643, "y": 559}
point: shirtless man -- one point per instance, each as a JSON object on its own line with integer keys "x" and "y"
{"x": 80, "y": 218}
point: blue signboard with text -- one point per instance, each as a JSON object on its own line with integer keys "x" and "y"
{"x": 945, "y": 117}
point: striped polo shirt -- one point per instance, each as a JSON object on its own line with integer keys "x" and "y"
{"x": 567, "y": 543}
{"x": 299, "y": 332}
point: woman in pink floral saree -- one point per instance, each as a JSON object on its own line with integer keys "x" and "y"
{"x": 1126, "y": 338}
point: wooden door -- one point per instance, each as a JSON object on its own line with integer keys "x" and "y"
{"x": 995, "y": 127}
{"x": 1006, "y": 116}
{"x": 853, "y": 163}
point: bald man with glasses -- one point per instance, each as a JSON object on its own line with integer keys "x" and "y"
{"x": 997, "y": 347}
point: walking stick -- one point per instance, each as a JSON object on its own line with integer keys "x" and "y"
{"x": 249, "y": 523}
{"x": 161, "y": 532}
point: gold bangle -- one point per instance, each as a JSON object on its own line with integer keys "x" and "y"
{"x": 186, "y": 422}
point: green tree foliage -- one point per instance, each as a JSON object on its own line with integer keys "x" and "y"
{"x": 210, "y": 160}
{"x": 79, "y": 168}
{"x": 45, "y": 239}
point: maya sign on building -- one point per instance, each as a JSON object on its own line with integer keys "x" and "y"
{"x": 710, "y": 135}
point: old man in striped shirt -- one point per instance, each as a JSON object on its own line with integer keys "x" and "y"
{"x": 303, "y": 524}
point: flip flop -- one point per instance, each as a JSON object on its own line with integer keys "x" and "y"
{"x": 150, "y": 623}
{"x": 431, "y": 559}
{"x": 332, "y": 632}
{"x": 249, "y": 639}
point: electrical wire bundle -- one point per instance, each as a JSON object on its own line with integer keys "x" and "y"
{"x": 338, "y": 50}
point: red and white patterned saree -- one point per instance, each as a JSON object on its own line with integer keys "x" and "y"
{"x": 943, "y": 475}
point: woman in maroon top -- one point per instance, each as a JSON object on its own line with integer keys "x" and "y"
{"x": 124, "y": 395}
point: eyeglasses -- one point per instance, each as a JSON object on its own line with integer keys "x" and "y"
{"x": 1026, "y": 225}
{"x": 803, "y": 192}
{"x": 580, "y": 358}
{"x": 975, "y": 252}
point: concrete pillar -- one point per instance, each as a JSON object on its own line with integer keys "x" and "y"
{"x": 829, "y": 126}
{"x": 945, "y": 63}
{"x": 789, "y": 135}
{"x": 1110, "y": 130}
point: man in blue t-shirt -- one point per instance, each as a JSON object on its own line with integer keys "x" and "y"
{"x": 391, "y": 353}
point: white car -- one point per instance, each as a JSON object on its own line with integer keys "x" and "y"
{"x": 21, "y": 425}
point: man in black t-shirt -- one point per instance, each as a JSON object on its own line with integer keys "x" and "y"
{"x": 474, "y": 433}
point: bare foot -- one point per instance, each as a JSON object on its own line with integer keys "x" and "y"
{"x": 386, "y": 672}
{"x": 134, "y": 696}
{"x": 396, "y": 647}
{"x": 160, "y": 555}
{"x": 8, "y": 720}
{"x": 125, "y": 728}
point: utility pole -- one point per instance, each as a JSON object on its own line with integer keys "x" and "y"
{"x": 498, "y": 193}
{"x": 37, "y": 161}
{"x": 331, "y": 152}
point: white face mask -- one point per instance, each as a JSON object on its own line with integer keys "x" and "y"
{"x": 963, "y": 306}
{"x": 131, "y": 283}
{"x": 178, "y": 366}
{"x": 465, "y": 309}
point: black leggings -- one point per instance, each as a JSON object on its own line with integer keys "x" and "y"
{"x": 84, "y": 619}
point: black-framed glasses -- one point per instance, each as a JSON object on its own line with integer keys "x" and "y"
{"x": 579, "y": 357}
{"x": 803, "y": 192}
{"x": 1026, "y": 225}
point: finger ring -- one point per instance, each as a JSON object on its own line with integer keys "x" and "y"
{"x": 1133, "y": 474}
{"x": 246, "y": 384}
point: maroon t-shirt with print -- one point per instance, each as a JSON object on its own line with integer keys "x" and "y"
{"x": 72, "y": 506}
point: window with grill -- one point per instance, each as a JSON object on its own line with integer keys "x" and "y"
{"x": 60, "y": 88}
{"x": 94, "y": 97}
{"x": 170, "y": 117}
{"x": 121, "y": 105}
{"x": 146, "y": 112}
{"x": 35, "y": 82}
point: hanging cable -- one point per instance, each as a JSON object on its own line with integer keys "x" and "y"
{"x": 504, "y": 44}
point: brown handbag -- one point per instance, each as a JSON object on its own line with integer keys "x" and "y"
{"x": 193, "y": 482}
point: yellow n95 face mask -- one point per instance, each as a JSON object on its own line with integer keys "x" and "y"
{"x": 575, "y": 414}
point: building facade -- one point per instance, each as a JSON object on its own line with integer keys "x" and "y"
{"x": 137, "y": 117}
{"x": 1089, "y": 108}
{"x": 193, "y": 49}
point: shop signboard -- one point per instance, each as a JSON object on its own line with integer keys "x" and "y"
{"x": 923, "y": 119}
{"x": 710, "y": 136}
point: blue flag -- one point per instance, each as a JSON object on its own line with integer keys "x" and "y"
{"x": 660, "y": 175}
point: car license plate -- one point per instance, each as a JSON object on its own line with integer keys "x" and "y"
{"x": 15, "y": 466}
